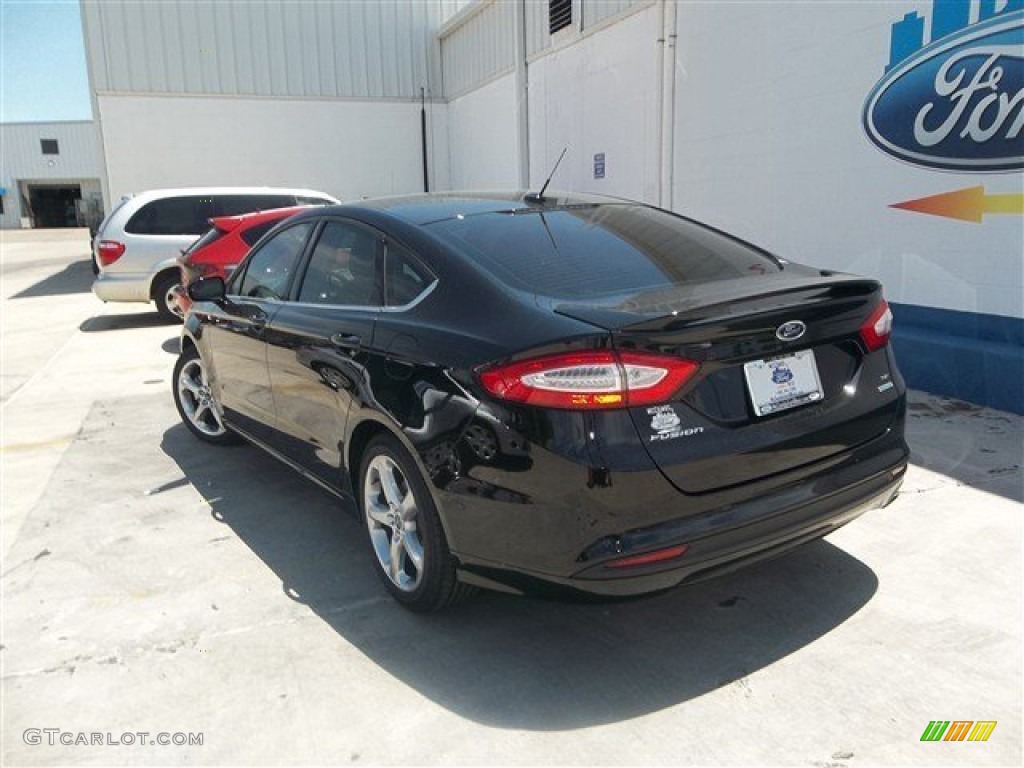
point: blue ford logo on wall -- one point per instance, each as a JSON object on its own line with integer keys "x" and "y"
{"x": 956, "y": 103}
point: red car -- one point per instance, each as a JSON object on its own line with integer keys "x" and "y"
{"x": 225, "y": 245}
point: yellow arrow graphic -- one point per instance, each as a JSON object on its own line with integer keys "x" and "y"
{"x": 968, "y": 204}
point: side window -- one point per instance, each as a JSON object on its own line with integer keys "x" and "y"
{"x": 233, "y": 205}
{"x": 343, "y": 268}
{"x": 406, "y": 277}
{"x": 269, "y": 271}
{"x": 172, "y": 216}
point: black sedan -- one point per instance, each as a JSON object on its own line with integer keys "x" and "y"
{"x": 521, "y": 391}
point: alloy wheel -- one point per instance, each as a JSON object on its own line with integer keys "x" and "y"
{"x": 392, "y": 515}
{"x": 196, "y": 399}
{"x": 170, "y": 301}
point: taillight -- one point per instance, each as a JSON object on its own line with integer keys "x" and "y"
{"x": 109, "y": 251}
{"x": 589, "y": 380}
{"x": 877, "y": 328}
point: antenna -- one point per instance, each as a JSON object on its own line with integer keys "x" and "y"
{"x": 423, "y": 137}
{"x": 539, "y": 197}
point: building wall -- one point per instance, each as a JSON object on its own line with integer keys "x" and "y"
{"x": 596, "y": 11}
{"x": 322, "y": 95}
{"x": 573, "y": 107}
{"x": 352, "y": 49}
{"x": 586, "y": 15}
{"x": 482, "y": 129}
{"x": 349, "y": 149}
{"x": 599, "y": 94}
{"x": 476, "y": 46}
{"x": 23, "y": 160}
{"x": 770, "y": 145}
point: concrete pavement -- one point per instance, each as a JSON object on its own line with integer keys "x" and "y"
{"x": 155, "y": 584}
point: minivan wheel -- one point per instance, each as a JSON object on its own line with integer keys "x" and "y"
{"x": 195, "y": 401}
{"x": 163, "y": 296}
{"x": 405, "y": 533}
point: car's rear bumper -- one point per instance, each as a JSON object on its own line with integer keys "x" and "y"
{"x": 719, "y": 539}
{"x": 129, "y": 286}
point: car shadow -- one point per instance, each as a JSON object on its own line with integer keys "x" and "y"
{"x": 76, "y": 277}
{"x": 125, "y": 322}
{"x": 519, "y": 662}
{"x": 975, "y": 446}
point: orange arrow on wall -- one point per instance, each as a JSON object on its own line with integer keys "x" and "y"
{"x": 968, "y": 204}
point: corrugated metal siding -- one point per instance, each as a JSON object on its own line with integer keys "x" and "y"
{"x": 592, "y": 12}
{"x": 537, "y": 36}
{"x": 23, "y": 157}
{"x": 596, "y": 11}
{"x": 354, "y": 49}
{"x": 480, "y": 48}
{"x": 451, "y": 7}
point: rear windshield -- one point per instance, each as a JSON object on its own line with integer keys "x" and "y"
{"x": 254, "y": 233}
{"x": 599, "y": 250}
{"x": 233, "y": 205}
{"x": 212, "y": 235}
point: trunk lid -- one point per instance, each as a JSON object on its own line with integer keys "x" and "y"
{"x": 760, "y": 404}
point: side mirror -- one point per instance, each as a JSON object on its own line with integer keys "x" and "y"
{"x": 207, "y": 289}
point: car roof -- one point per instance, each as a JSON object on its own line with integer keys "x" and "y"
{"x": 155, "y": 194}
{"x": 428, "y": 208}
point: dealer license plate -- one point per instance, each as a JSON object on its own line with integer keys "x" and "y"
{"x": 783, "y": 382}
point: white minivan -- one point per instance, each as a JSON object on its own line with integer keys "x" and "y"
{"x": 137, "y": 246}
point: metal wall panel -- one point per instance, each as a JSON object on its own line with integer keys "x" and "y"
{"x": 451, "y": 7}
{"x": 304, "y": 49}
{"x": 23, "y": 158}
{"x": 596, "y": 11}
{"x": 538, "y": 38}
{"x": 479, "y": 48}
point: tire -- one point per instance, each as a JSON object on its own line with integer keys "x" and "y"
{"x": 404, "y": 530}
{"x": 195, "y": 401}
{"x": 163, "y": 287}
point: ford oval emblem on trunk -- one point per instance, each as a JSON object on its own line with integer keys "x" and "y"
{"x": 790, "y": 331}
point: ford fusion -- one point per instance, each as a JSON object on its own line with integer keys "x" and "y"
{"x": 523, "y": 391}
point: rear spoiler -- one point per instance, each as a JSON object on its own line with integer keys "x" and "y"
{"x": 685, "y": 305}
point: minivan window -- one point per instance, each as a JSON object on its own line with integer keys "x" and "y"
{"x": 172, "y": 216}
{"x": 233, "y": 205}
{"x": 106, "y": 219}
{"x": 600, "y": 250}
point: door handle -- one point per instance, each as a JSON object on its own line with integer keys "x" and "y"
{"x": 346, "y": 340}
{"x": 258, "y": 320}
